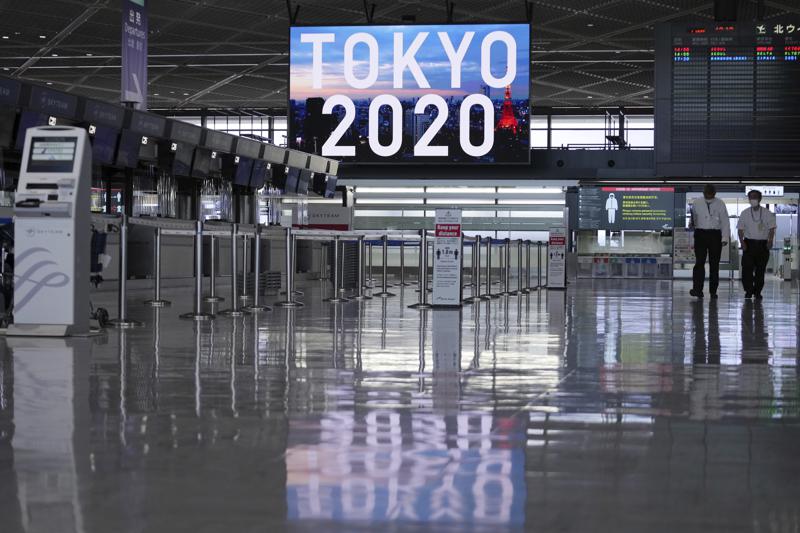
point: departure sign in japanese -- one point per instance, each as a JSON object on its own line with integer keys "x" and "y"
{"x": 134, "y": 53}
{"x": 421, "y": 93}
{"x": 728, "y": 99}
{"x": 626, "y": 208}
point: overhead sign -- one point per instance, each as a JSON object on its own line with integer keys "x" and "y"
{"x": 766, "y": 190}
{"x": 626, "y": 208}
{"x": 447, "y": 258}
{"x": 134, "y": 53}
{"x": 421, "y": 93}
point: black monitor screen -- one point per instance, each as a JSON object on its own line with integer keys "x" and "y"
{"x": 182, "y": 163}
{"x": 292, "y": 178}
{"x": 330, "y": 186}
{"x": 243, "y": 171}
{"x": 8, "y": 116}
{"x": 128, "y": 150}
{"x": 201, "y": 163}
{"x": 28, "y": 119}
{"x": 104, "y": 145}
{"x": 304, "y": 181}
{"x": 259, "y": 175}
{"x": 52, "y": 154}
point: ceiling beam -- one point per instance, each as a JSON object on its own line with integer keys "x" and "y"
{"x": 230, "y": 79}
{"x": 76, "y": 23}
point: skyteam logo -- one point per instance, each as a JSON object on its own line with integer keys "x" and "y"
{"x": 37, "y": 272}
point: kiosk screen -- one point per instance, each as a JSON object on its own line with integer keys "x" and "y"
{"x": 52, "y": 154}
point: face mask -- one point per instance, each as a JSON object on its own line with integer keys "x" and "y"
{"x": 754, "y": 203}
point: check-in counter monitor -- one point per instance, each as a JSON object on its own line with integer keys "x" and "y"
{"x": 52, "y": 234}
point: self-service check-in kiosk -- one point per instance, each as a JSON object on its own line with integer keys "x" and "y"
{"x": 52, "y": 234}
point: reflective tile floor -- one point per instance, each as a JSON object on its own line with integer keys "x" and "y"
{"x": 616, "y": 406}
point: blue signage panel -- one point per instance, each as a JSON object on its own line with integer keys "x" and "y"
{"x": 54, "y": 103}
{"x": 9, "y": 91}
{"x": 134, "y": 53}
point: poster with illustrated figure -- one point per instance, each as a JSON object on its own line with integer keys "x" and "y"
{"x": 447, "y": 258}
{"x": 626, "y": 208}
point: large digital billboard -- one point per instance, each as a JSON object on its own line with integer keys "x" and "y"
{"x": 626, "y": 208}
{"x": 415, "y": 94}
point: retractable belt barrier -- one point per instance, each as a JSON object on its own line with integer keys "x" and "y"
{"x": 480, "y": 273}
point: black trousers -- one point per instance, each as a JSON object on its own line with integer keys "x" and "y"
{"x": 754, "y": 265}
{"x": 707, "y": 245}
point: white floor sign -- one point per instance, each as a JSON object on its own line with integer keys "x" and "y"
{"x": 447, "y": 258}
{"x": 557, "y": 258}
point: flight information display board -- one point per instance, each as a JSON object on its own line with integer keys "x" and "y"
{"x": 728, "y": 98}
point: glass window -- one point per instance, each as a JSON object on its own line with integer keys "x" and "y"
{"x": 579, "y": 122}
{"x": 539, "y": 138}
{"x": 589, "y": 138}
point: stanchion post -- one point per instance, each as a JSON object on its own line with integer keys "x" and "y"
{"x": 335, "y": 296}
{"x": 476, "y": 252}
{"x": 360, "y": 282}
{"x": 539, "y": 265}
{"x": 212, "y": 296}
{"x": 234, "y": 310}
{"x": 507, "y": 268}
{"x": 403, "y": 282}
{"x": 370, "y": 282}
{"x": 476, "y": 272}
{"x": 385, "y": 253}
{"x": 294, "y": 262}
{"x": 489, "y": 295}
{"x": 157, "y": 301}
{"x": 342, "y": 291}
{"x": 547, "y": 258}
{"x": 290, "y": 301}
{"x": 520, "y": 288}
{"x": 527, "y": 289}
{"x": 122, "y": 321}
{"x": 197, "y": 314}
{"x": 256, "y": 306}
{"x": 423, "y": 275}
{"x": 245, "y": 268}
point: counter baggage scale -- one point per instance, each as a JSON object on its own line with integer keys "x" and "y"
{"x": 52, "y": 234}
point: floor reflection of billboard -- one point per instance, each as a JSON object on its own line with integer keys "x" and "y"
{"x": 425, "y": 468}
{"x": 411, "y": 93}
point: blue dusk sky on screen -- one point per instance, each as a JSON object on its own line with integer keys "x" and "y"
{"x": 431, "y": 58}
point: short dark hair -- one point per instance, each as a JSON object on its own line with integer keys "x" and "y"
{"x": 754, "y": 192}
{"x": 709, "y": 190}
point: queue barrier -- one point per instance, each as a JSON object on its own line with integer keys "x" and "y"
{"x": 481, "y": 288}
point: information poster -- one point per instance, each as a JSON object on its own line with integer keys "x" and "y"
{"x": 683, "y": 246}
{"x": 557, "y": 258}
{"x": 626, "y": 208}
{"x": 447, "y": 258}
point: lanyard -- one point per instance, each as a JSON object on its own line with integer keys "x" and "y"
{"x": 760, "y": 215}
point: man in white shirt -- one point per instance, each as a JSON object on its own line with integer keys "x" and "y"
{"x": 712, "y": 231}
{"x": 757, "y": 234}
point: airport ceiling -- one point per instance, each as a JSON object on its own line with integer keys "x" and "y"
{"x": 232, "y": 54}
